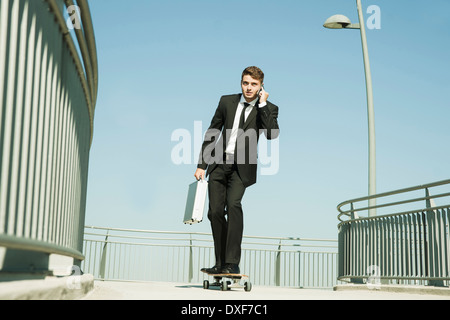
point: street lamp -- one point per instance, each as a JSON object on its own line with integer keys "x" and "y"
{"x": 342, "y": 22}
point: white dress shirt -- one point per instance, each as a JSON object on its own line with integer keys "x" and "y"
{"x": 232, "y": 141}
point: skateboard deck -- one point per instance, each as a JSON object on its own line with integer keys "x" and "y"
{"x": 226, "y": 281}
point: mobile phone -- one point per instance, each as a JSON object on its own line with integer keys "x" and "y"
{"x": 259, "y": 91}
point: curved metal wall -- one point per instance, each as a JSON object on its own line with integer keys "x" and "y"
{"x": 45, "y": 133}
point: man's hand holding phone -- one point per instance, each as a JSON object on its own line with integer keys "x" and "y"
{"x": 263, "y": 95}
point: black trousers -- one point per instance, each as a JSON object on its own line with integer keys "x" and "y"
{"x": 225, "y": 191}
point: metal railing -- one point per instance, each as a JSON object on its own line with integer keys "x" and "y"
{"x": 47, "y": 97}
{"x": 409, "y": 242}
{"x": 146, "y": 255}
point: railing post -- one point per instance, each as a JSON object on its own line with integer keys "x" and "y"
{"x": 432, "y": 244}
{"x": 341, "y": 251}
{"x": 356, "y": 241}
{"x": 103, "y": 258}
{"x": 354, "y": 215}
{"x": 191, "y": 267}
{"x": 277, "y": 265}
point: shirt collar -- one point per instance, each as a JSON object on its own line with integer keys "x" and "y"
{"x": 252, "y": 103}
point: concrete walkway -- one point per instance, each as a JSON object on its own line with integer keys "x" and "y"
{"x": 50, "y": 288}
{"x": 86, "y": 288}
{"x": 117, "y": 290}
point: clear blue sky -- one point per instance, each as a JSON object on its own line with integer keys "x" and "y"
{"x": 164, "y": 65}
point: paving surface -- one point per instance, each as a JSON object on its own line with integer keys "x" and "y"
{"x": 86, "y": 288}
{"x": 50, "y": 288}
{"x": 117, "y": 290}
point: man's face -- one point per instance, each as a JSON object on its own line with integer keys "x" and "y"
{"x": 250, "y": 87}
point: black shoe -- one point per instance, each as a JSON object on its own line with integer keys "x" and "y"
{"x": 214, "y": 270}
{"x": 231, "y": 268}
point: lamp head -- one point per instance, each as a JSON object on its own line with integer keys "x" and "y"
{"x": 338, "y": 21}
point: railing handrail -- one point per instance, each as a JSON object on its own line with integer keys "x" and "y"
{"x": 391, "y": 193}
{"x": 200, "y": 233}
{"x": 13, "y": 242}
{"x": 48, "y": 90}
{"x": 86, "y": 43}
{"x": 408, "y": 244}
{"x": 286, "y": 261}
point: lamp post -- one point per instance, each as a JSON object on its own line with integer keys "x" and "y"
{"x": 342, "y": 22}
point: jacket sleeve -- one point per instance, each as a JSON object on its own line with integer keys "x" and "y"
{"x": 269, "y": 122}
{"x": 212, "y": 135}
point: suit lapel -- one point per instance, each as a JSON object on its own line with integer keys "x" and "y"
{"x": 250, "y": 116}
{"x": 249, "y": 119}
{"x": 232, "y": 108}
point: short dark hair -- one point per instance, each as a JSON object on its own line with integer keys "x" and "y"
{"x": 254, "y": 72}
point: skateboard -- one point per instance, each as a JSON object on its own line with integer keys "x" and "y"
{"x": 226, "y": 281}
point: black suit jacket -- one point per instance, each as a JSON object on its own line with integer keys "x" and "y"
{"x": 260, "y": 120}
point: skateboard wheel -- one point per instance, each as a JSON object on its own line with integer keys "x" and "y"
{"x": 224, "y": 286}
{"x": 247, "y": 286}
{"x": 205, "y": 284}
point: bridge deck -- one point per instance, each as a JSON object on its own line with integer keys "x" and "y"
{"x": 86, "y": 288}
{"x": 110, "y": 290}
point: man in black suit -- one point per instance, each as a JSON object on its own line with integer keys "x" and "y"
{"x": 229, "y": 156}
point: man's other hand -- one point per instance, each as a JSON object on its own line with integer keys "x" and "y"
{"x": 199, "y": 174}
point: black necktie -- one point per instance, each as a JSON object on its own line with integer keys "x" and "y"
{"x": 241, "y": 126}
{"x": 242, "y": 120}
